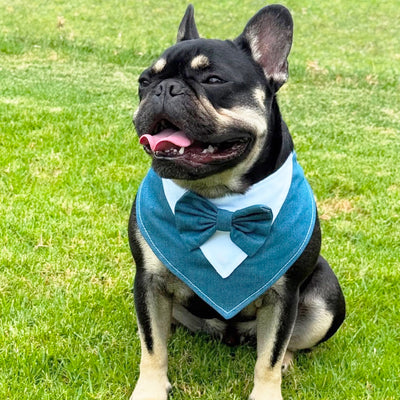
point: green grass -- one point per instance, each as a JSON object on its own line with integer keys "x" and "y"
{"x": 70, "y": 165}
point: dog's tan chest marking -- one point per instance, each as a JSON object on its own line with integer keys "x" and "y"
{"x": 152, "y": 263}
{"x": 159, "y": 65}
{"x": 162, "y": 276}
{"x": 200, "y": 62}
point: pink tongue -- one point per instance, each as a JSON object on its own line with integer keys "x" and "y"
{"x": 164, "y": 139}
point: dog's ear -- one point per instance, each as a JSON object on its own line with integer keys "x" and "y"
{"x": 187, "y": 29}
{"x": 268, "y": 36}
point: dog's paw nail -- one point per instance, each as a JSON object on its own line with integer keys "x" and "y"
{"x": 287, "y": 362}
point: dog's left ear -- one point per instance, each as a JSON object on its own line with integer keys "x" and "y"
{"x": 187, "y": 29}
{"x": 268, "y": 36}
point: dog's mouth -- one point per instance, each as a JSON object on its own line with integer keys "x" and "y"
{"x": 169, "y": 142}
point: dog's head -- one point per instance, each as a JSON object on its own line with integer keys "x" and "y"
{"x": 207, "y": 107}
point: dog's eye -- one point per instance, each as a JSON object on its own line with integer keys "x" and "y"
{"x": 143, "y": 82}
{"x": 212, "y": 80}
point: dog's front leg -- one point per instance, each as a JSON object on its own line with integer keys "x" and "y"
{"x": 275, "y": 321}
{"x": 154, "y": 310}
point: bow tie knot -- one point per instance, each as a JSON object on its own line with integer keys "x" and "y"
{"x": 197, "y": 219}
{"x": 224, "y": 220}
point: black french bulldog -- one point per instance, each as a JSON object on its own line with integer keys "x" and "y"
{"x": 224, "y": 229}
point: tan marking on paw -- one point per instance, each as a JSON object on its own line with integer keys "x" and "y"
{"x": 149, "y": 388}
{"x": 266, "y": 391}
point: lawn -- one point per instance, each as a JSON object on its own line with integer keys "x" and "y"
{"x": 70, "y": 165}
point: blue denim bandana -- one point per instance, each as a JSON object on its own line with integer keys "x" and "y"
{"x": 241, "y": 270}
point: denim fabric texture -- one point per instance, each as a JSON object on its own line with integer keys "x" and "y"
{"x": 285, "y": 240}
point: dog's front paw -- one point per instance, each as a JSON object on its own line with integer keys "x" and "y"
{"x": 266, "y": 392}
{"x": 151, "y": 389}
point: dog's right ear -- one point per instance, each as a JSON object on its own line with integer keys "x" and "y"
{"x": 187, "y": 29}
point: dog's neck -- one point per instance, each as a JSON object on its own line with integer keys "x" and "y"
{"x": 276, "y": 149}
{"x": 215, "y": 186}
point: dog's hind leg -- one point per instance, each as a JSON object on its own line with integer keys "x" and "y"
{"x": 321, "y": 308}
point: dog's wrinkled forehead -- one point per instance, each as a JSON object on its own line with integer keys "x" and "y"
{"x": 194, "y": 54}
{"x": 193, "y": 57}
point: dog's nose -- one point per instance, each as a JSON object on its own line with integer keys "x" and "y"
{"x": 170, "y": 87}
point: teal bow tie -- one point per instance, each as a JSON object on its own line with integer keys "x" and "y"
{"x": 197, "y": 219}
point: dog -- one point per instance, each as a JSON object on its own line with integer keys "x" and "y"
{"x": 224, "y": 229}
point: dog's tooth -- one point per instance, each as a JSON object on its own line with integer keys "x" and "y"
{"x": 210, "y": 149}
{"x": 181, "y": 150}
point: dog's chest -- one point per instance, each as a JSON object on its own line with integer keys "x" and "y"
{"x": 166, "y": 282}
{"x": 161, "y": 278}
